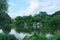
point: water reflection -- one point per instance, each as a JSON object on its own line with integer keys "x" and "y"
{"x": 1, "y": 31}
{"x": 22, "y": 35}
{"x": 18, "y": 35}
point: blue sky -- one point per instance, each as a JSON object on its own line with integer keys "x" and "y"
{"x": 31, "y": 7}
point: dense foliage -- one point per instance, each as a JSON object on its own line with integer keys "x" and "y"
{"x": 5, "y": 20}
{"x": 9, "y": 37}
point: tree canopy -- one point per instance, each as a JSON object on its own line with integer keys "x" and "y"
{"x": 5, "y": 19}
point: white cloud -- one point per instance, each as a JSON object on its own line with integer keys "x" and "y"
{"x": 50, "y": 6}
{"x": 12, "y": 14}
{"x": 12, "y": 4}
{"x": 33, "y": 5}
{"x": 28, "y": 11}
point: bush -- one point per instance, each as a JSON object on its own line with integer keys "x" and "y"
{"x": 7, "y": 37}
{"x": 35, "y": 36}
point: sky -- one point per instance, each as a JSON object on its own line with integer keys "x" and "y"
{"x": 31, "y": 7}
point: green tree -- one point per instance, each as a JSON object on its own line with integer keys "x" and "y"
{"x": 45, "y": 18}
{"x": 5, "y": 20}
{"x": 36, "y": 22}
{"x": 55, "y": 22}
{"x": 3, "y": 6}
{"x": 19, "y": 23}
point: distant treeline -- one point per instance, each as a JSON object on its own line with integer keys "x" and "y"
{"x": 41, "y": 22}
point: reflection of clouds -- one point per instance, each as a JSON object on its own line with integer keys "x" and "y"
{"x": 1, "y": 31}
{"x": 14, "y": 33}
{"x": 21, "y": 35}
{"x": 49, "y": 35}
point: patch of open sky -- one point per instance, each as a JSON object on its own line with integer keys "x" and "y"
{"x": 43, "y": 0}
{"x": 15, "y": 6}
{"x": 31, "y": 7}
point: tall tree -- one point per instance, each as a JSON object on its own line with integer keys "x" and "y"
{"x": 3, "y": 6}
{"x": 5, "y": 20}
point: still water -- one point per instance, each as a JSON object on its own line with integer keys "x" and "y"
{"x": 22, "y": 35}
{"x": 18, "y": 35}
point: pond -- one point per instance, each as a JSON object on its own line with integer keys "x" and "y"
{"x": 18, "y": 35}
{"x": 22, "y": 35}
